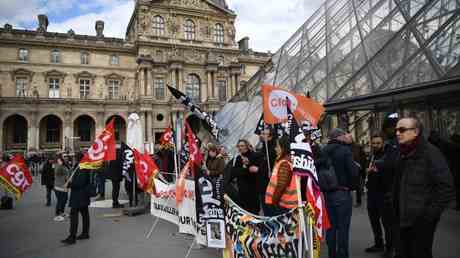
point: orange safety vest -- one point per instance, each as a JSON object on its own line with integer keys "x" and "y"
{"x": 289, "y": 197}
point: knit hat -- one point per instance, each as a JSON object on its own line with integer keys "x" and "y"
{"x": 335, "y": 133}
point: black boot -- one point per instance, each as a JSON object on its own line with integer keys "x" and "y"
{"x": 117, "y": 206}
{"x": 69, "y": 240}
{"x": 375, "y": 249}
{"x": 83, "y": 236}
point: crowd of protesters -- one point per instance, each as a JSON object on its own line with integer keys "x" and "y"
{"x": 408, "y": 180}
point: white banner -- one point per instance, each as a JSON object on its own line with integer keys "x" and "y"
{"x": 164, "y": 205}
{"x": 187, "y": 214}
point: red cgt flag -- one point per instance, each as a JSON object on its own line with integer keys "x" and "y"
{"x": 15, "y": 176}
{"x": 167, "y": 139}
{"x": 194, "y": 151}
{"x": 103, "y": 149}
{"x": 146, "y": 170}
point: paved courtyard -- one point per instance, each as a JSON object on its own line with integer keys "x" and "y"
{"x": 29, "y": 231}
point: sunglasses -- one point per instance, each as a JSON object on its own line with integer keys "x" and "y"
{"x": 403, "y": 129}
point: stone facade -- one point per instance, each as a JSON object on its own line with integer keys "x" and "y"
{"x": 58, "y": 88}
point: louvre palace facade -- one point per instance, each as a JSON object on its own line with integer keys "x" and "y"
{"x": 59, "y": 89}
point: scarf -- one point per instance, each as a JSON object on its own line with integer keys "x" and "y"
{"x": 409, "y": 147}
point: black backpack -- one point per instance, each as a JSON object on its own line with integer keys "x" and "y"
{"x": 327, "y": 178}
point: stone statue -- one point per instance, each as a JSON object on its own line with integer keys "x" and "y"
{"x": 100, "y": 29}
{"x": 8, "y": 27}
{"x": 42, "y": 23}
{"x": 70, "y": 33}
{"x": 232, "y": 32}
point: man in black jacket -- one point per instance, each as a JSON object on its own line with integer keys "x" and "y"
{"x": 422, "y": 189}
{"x": 267, "y": 146}
{"x": 375, "y": 196}
{"x": 339, "y": 201}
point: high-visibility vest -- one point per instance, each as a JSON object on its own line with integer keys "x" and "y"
{"x": 288, "y": 199}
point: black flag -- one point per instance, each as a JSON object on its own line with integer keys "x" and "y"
{"x": 303, "y": 163}
{"x": 185, "y": 100}
{"x": 260, "y": 125}
{"x": 293, "y": 126}
{"x": 127, "y": 161}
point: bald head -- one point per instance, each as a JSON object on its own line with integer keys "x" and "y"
{"x": 407, "y": 130}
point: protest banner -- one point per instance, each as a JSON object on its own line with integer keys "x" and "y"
{"x": 248, "y": 235}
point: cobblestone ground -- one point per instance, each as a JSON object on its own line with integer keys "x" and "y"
{"x": 29, "y": 231}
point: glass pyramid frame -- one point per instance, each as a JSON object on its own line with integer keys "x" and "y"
{"x": 350, "y": 48}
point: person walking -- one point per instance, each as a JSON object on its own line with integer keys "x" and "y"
{"x": 422, "y": 189}
{"x": 339, "y": 200}
{"x": 61, "y": 176}
{"x": 281, "y": 193}
{"x": 47, "y": 179}
{"x": 375, "y": 197}
{"x": 79, "y": 201}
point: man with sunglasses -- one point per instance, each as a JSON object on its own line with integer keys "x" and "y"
{"x": 422, "y": 189}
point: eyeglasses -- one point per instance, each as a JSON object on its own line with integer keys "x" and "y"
{"x": 403, "y": 129}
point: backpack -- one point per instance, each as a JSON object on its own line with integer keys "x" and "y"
{"x": 327, "y": 178}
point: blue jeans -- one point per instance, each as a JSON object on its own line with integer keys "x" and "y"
{"x": 61, "y": 201}
{"x": 339, "y": 207}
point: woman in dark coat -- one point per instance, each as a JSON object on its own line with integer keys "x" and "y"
{"x": 48, "y": 179}
{"x": 79, "y": 202}
{"x": 244, "y": 169}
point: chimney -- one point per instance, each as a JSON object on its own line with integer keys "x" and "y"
{"x": 42, "y": 23}
{"x": 244, "y": 44}
{"x": 99, "y": 29}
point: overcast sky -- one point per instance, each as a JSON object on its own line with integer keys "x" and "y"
{"x": 268, "y": 23}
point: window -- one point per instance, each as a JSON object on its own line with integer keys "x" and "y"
{"x": 189, "y": 30}
{"x": 53, "y": 88}
{"x": 158, "y": 25}
{"x": 114, "y": 89}
{"x": 114, "y": 60}
{"x": 84, "y": 58}
{"x": 21, "y": 85}
{"x": 159, "y": 87}
{"x": 55, "y": 56}
{"x": 219, "y": 33}
{"x": 23, "y": 55}
{"x": 222, "y": 90}
{"x": 193, "y": 88}
{"x": 84, "y": 88}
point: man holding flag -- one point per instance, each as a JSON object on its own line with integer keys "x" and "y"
{"x": 103, "y": 149}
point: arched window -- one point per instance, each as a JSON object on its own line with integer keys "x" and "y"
{"x": 193, "y": 88}
{"x": 189, "y": 30}
{"x": 158, "y": 25}
{"x": 219, "y": 33}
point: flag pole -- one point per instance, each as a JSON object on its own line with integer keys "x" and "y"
{"x": 302, "y": 217}
{"x": 268, "y": 158}
{"x": 310, "y": 238}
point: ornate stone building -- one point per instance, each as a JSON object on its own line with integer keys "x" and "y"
{"x": 60, "y": 88}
